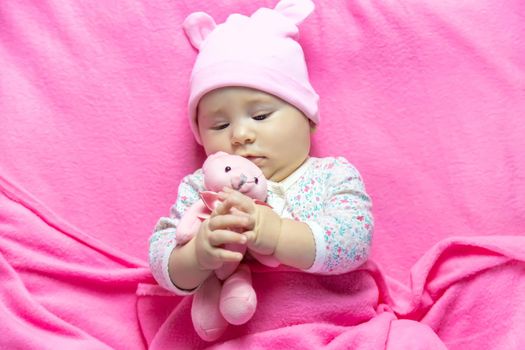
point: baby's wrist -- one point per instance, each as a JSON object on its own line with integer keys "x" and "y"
{"x": 183, "y": 267}
{"x": 197, "y": 262}
{"x": 268, "y": 230}
{"x": 296, "y": 246}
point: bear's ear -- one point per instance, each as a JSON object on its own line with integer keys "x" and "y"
{"x": 295, "y": 10}
{"x": 210, "y": 160}
{"x": 217, "y": 155}
{"x": 197, "y": 26}
{"x": 210, "y": 199}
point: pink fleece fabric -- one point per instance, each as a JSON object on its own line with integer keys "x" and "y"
{"x": 426, "y": 98}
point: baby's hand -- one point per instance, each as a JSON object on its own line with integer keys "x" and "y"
{"x": 264, "y": 225}
{"x": 214, "y": 233}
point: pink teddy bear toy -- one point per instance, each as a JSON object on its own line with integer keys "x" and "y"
{"x": 216, "y": 304}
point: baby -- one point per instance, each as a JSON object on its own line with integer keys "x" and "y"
{"x": 250, "y": 95}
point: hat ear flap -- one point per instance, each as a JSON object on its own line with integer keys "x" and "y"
{"x": 295, "y": 10}
{"x": 197, "y": 27}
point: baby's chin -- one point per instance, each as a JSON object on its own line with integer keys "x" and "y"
{"x": 275, "y": 175}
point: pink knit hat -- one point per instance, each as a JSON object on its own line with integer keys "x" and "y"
{"x": 259, "y": 52}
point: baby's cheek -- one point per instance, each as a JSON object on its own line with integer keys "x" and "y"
{"x": 214, "y": 144}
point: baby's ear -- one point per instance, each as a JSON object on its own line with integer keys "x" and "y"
{"x": 313, "y": 127}
{"x": 197, "y": 26}
{"x": 295, "y": 10}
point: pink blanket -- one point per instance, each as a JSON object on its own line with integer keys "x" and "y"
{"x": 426, "y": 98}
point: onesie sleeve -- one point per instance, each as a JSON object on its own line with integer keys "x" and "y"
{"x": 162, "y": 241}
{"x": 343, "y": 228}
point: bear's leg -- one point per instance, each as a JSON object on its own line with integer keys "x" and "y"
{"x": 205, "y": 314}
{"x": 238, "y": 300}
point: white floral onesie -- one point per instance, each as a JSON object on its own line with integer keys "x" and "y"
{"x": 328, "y": 194}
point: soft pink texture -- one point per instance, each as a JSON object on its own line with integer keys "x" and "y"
{"x": 426, "y": 98}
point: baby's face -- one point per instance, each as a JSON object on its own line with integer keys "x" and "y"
{"x": 261, "y": 127}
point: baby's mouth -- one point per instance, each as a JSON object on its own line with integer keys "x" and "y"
{"x": 257, "y": 160}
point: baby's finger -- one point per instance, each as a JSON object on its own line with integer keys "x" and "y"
{"x": 236, "y": 211}
{"x": 227, "y": 189}
{"x": 220, "y": 209}
{"x": 228, "y": 201}
{"x": 220, "y": 237}
{"x": 229, "y": 221}
{"x": 250, "y": 238}
{"x": 251, "y": 220}
{"x": 227, "y": 255}
{"x": 239, "y": 201}
{"x": 225, "y": 193}
{"x": 223, "y": 208}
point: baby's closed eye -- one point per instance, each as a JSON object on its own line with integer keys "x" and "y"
{"x": 261, "y": 116}
{"x": 220, "y": 126}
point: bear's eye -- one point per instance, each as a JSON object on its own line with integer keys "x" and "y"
{"x": 256, "y": 181}
{"x": 227, "y": 169}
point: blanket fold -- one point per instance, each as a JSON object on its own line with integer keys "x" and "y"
{"x": 60, "y": 287}
{"x": 471, "y": 290}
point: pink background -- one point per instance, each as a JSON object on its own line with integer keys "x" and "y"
{"x": 426, "y": 98}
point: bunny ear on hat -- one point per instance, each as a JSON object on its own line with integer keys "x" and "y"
{"x": 197, "y": 26}
{"x": 295, "y": 10}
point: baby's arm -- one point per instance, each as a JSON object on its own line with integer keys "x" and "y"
{"x": 164, "y": 239}
{"x": 343, "y": 227}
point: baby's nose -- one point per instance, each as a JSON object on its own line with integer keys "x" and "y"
{"x": 242, "y": 134}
